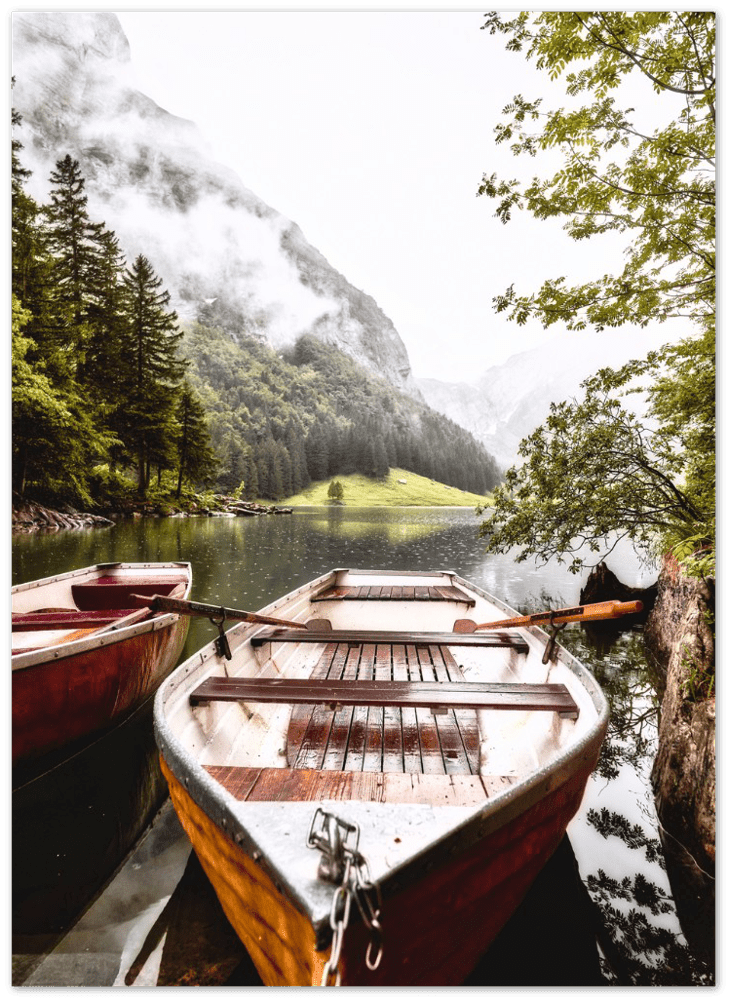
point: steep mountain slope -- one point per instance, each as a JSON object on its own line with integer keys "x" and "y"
{"x": 510, "y": 400}
{"x": 150, "y": 178}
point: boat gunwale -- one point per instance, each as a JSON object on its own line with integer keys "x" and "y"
{"x": 483, "y": 819}
{"x": 90, "y": 570}
{"x": 107, "y": 635}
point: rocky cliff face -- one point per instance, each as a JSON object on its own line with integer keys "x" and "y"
{"x": 150, "y": 178}
{"x": 680, "y": 637}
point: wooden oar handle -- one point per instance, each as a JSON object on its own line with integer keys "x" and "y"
{"x": 158, "y": 602}
{"x": 579, "y": 613}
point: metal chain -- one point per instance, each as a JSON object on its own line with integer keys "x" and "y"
{"x": 342, "y": 863}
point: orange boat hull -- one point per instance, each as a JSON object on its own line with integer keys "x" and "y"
{"x": 435, "y": 930}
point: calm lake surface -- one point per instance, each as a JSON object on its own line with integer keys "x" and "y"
{"x": 246, "y": 562}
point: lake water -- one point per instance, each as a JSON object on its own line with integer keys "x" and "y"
{"x": 246, "y": 562}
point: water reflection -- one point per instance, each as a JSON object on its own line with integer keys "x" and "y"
{"x": 247, "y": 562}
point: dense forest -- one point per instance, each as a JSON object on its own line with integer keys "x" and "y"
{"x": 112, "y": 398}
{"x": 277, "y": 422}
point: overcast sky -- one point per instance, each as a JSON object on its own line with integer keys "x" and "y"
{"x": 372, "y": 130}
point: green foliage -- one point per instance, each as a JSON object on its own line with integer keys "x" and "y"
{"x": 96, "y": 368}
{"x": 335, "y": 491}
{"x": 196, "y": 459}
{"x": 657, "y": 188}
{"x": 109, "y": 486}
{"x": 594, "y": 470}
{"x": 54, "y": 437}
{"x": 279, "y": 422}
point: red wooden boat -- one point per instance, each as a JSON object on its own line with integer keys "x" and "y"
{"x": 373, "y": 789}
{"x": 85, "y": 655}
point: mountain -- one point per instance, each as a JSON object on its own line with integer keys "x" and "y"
{"x": 512, "y": 399}
{"x": 150, "y": 178}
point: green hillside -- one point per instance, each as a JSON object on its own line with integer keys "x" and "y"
{"x": 361, "y": 491}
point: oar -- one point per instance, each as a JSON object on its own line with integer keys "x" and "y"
{"x": 171, "y": 605}
{"x": 582, "y": 613}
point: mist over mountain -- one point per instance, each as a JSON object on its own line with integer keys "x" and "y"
{"x": 226, "y": 256}
{"x": 512, "y": 399}
{"x": 150, "y": 177}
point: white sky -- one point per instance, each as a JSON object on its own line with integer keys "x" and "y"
{"x": 372, "y": 130}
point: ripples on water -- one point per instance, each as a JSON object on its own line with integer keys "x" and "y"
{"x": 249, "y": 561}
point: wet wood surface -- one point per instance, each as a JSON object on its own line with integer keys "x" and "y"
{"x": 388, "y": 738}
{"x": 484, "y": 640}
{"x": 379, "y": 694}
{"x": 395, "y": 594}
{"x": 284, "y": 784}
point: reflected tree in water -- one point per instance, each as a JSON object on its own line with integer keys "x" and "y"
{"x": 637, "y": 946}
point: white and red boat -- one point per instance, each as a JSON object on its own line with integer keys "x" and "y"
{"x": 372, "y": 774}
{"x": 85, "y": 654}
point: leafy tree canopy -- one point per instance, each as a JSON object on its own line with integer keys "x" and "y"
{"x": 594, "y": 470}
{"x": 656, "y": 187}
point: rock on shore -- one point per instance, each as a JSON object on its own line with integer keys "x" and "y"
{"x": 30, "y": 516}
{"x": 680, "y": 639}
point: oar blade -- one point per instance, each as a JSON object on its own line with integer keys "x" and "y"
{"x": 464, "y": 625}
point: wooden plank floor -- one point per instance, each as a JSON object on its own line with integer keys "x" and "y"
{"x": 283, "y": 784}
{"x": 384, "y": 739}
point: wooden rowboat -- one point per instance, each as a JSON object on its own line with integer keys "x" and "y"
{"x": 85, "y": 655}
{"x": 371, "y": 796}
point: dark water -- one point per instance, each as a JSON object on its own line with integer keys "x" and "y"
{"x": 247, "y": 562}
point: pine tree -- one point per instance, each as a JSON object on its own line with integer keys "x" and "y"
{"x": 317, "y": 452}
{"x": 75, "y": 244}
{"x": 151, "y": 369}
{"x": 195, "y": 456}
{"x": 55, "y": 440}
{"x": 103, "y": 363}
{"x": 31, "y": 262}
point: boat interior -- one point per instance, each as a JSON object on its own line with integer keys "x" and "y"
{"x": 399, "y": 708}
{"x": 73, "y": 606}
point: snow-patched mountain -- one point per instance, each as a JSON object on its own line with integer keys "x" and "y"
{"x": 150, "y": 178}
{"x": 512, "y": 399}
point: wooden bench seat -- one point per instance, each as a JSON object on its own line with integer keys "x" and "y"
{"x": 397, "y": 694}
{"x": 439, "y": 593}
{"x": 114, "y": 592}
{"x": 285, "y": 784}
{"x": 35, "y": 621}
{"x": 497, "y": 640}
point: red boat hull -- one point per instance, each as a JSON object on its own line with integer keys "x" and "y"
{"x": 60, "y": 701}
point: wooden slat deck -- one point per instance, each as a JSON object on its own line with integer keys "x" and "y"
{"x": 497, "y": 640}
{"x": 383, "y": 737}
{"x": 284, "y": 784}
{"x": 364, "y": 711}
{"x": 372, "y": 593}
{"x": 365, "y": 733}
